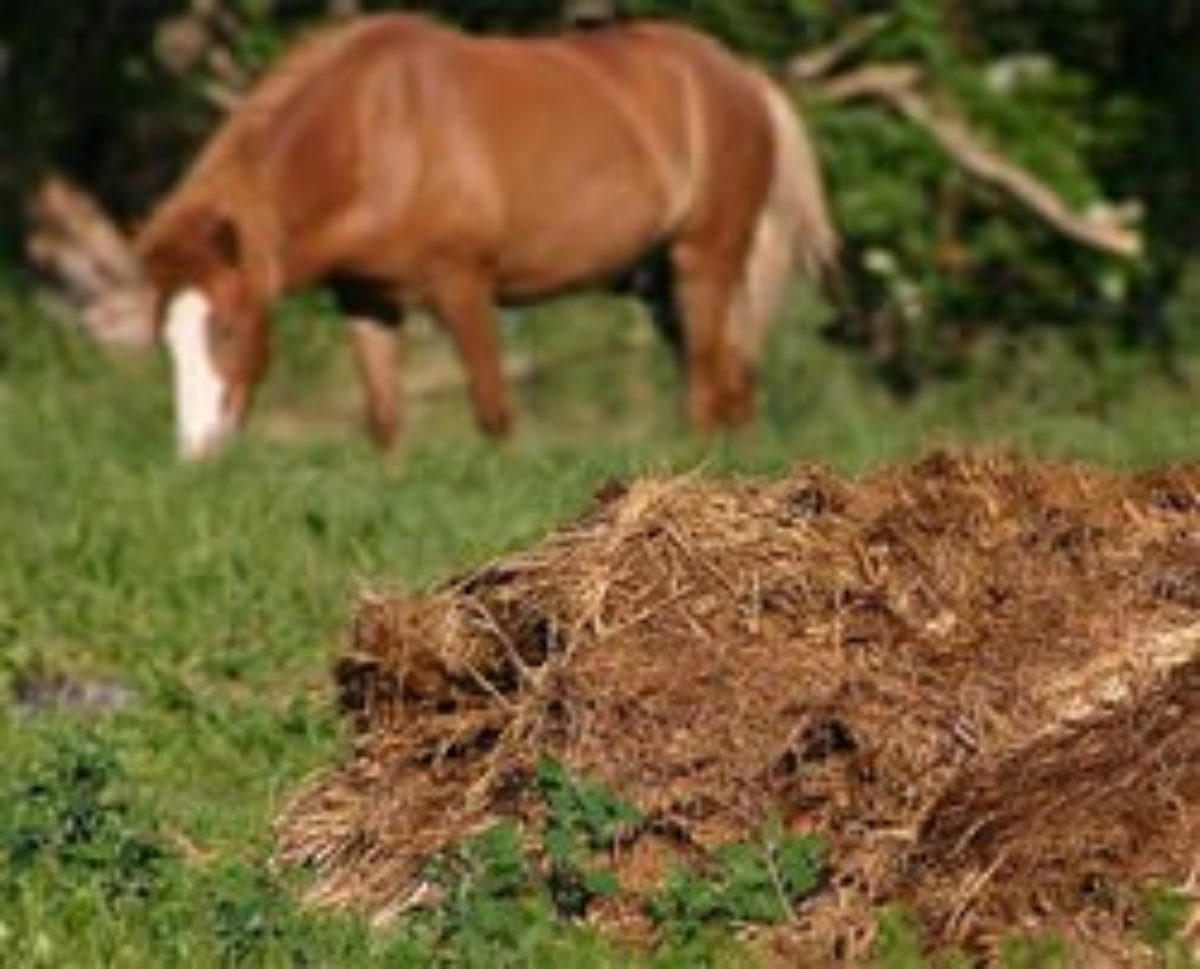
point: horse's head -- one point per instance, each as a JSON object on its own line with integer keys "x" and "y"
{"x": 212, "y": 318}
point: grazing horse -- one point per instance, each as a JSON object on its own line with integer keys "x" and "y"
{"x": 404, "y": 164}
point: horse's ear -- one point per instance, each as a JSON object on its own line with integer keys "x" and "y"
{"x": 188, "y": 247}
{"x": 212, "y": 233}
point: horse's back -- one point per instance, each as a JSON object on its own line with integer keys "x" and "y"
{"x": 595, "y": 145}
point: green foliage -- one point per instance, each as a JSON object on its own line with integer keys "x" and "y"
{"x": 1043, "y": 952}
{"x": 581, "y": 812}
{"x": 494, "y": 895}
{"x": 940, "y": 262}
{"x": 494, "y": 892}
{"x": 250, "y": 916}
{"x": 583, "y": 819}
{"x": 494, "y": 907}
{"x": 1164, "y": 923}
{"x": 483, "y": 882}
{"x": 72, "y": 80}
{"x": 773, "y": 30}
{"x": 757, "y": 882}
{"x": 499, "y": 904}
{"x": 899, "y": 942}
{"x": 262, "y": 37}
{"x": 67, "y": 818}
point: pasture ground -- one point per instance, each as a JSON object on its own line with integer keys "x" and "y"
{"x": 166, "y": 632}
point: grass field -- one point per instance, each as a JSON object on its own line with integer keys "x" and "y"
{"x": 205, "y": 603}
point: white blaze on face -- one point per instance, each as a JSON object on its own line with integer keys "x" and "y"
{"x": 199, "y": 390}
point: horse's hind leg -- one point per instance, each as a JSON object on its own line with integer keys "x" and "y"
{"x": 462, "y": 302}
{"x": 720, "y": 379}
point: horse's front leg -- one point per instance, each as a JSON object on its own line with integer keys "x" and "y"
{"x": 376, "y": 348}
{"x": 462, "y": 301}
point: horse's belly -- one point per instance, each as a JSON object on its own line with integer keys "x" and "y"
{"x": 566, "y": 244}
{"x": 537, "y": 278}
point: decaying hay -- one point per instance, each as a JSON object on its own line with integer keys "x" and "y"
{"x": 979, "y": 678}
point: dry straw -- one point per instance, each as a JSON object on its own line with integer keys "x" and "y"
{"x": 978, "y": 677}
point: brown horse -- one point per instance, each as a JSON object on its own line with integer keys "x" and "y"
{"x": 404, "y": 164}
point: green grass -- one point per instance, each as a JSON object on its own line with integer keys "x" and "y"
{"x": 218, "y": 594}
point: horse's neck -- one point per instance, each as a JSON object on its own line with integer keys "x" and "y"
{"x": 263, "y": 260}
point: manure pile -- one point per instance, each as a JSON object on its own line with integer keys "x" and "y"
{"x": 977, "y": 678}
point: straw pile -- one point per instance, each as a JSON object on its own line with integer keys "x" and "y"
{"x": 978, "y": 678}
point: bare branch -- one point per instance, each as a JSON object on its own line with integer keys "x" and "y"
{"x": 63, "y": 215}
{"x": 880, "y": 81}
{"x": 222, "y": 96}
{"x": 896, "y": 85}
{"x": 203, "y": 39}
{"x": 821, "y": 61}
{"x": 92, "y": 263}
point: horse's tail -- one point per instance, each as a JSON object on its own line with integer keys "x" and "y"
{"x": 794, "y": 227}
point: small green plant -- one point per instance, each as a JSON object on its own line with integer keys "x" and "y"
{"x": 501, "y": 898}
{"x": 1035, "y": 952}
{"x": 249, "y": 914}
{"x": 491, "y": 898}
{"x": 68, "y": 818}
{"x": 899, "y": 942}
{"x": 1164, "y": 920}
{"x": 747, "y": 882}
{"x": 583, "y": 819}
{"x": 497, "y": 908}
{"x": 488, "y": 868}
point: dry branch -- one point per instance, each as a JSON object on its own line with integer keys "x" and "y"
{"x": 895, "y": 85}
{"x": 205, "y": 36}
{"x": 72, "y": 231}
{"x": 93, "y": 264}
{"x": 820, "y": 61}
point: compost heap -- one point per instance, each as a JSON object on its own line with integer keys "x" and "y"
{"x": 977, "y": 678}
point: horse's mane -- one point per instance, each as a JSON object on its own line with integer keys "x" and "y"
{"x": 218, "y": 161}
{"x": 309, "y": 57}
